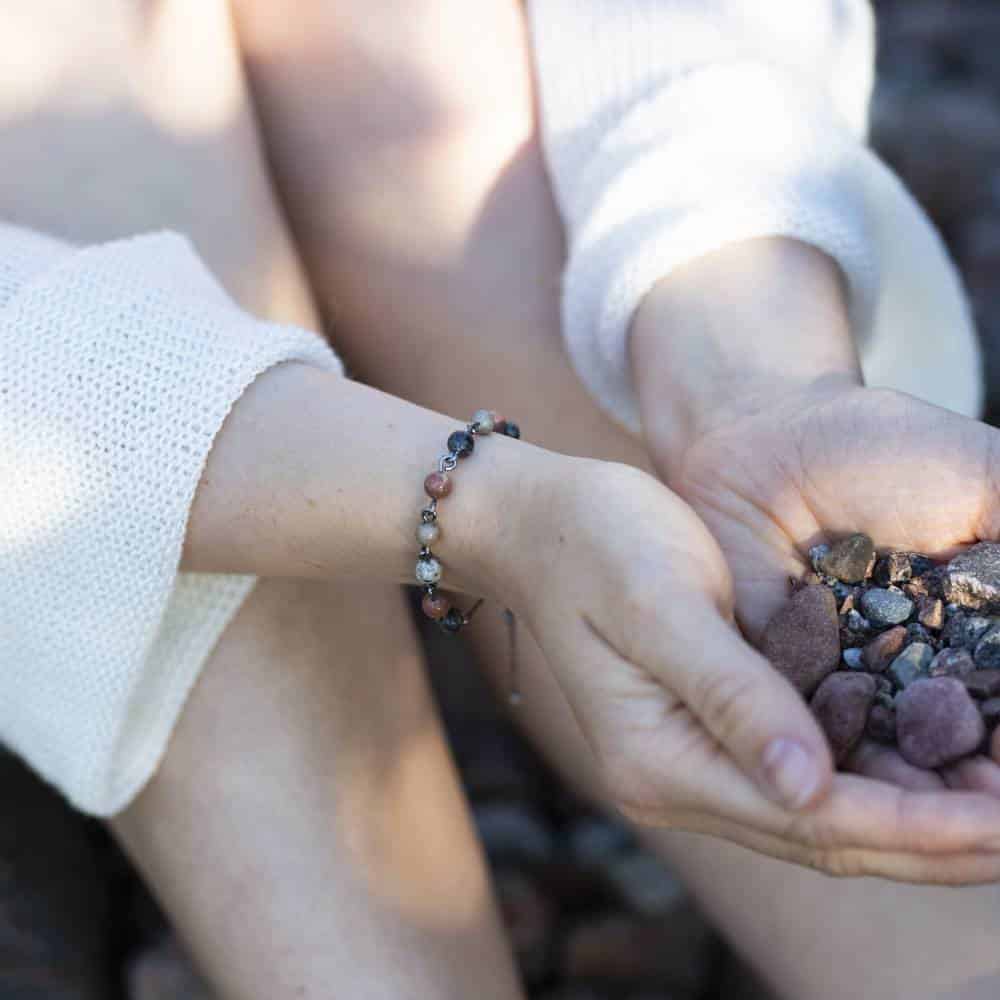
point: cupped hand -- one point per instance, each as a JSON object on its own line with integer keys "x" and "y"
{"x": 774, "y": 478}
{"x": 630, "y": 599}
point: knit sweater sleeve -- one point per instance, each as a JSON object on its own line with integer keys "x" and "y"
{"x": 672, "y": 128}
{"x": 118, "y": 366}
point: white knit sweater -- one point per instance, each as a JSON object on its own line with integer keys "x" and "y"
{"x": 118, "y": 365}
{"x": 672, "y": 127}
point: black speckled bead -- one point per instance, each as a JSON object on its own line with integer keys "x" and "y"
{"x": 452, "y": 621}
{"x": 511, "y": 430}
{"x": 461, "y": 443}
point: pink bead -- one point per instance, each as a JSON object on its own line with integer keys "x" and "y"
{"x": 435, "y": 606}
{"x": 437, "y": 485}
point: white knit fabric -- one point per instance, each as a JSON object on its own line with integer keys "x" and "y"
{"x": 674, "y": 127}
{"x": 118, "y": 365}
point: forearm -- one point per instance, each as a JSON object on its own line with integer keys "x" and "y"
{"x": 313, "y": 475}
{"x": 735, "y": 330}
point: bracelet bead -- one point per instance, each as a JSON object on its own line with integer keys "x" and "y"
{"x": 485, "y": 421}
{"x": 453, "y": 620}
{"x": 428, "y": 570}
{"x": 462, "y": 443}
{"x": 428, "y": 532}
{"x": 438, "y": 485}
{"x": 435, "y": 606}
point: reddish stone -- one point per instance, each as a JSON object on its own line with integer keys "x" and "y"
{"x": 883, "y": 649}
{"x": 435, "y": 606}
{"x": 802, "y": 640}
{"x": 841, "y": 704}
{"x": 438, "y": 485}
{"x": 930, "y": 612}
{"x": 937, "y": 722}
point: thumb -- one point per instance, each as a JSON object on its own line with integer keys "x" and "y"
{"x": 757, "y": 717}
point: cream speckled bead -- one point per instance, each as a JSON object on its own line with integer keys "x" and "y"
{"x": 428, "y": 570}
{"x": 428, "y": 533}
{"x": 486, "y": 420}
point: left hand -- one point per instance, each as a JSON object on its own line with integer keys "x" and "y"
{"x": 766, "y": 430}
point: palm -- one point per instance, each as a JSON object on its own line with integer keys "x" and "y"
{"x": 772, "y": 484}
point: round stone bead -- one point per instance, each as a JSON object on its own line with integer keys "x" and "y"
{"x": 462, "y": 443}
{"x": 438, "y": 485}
{"x": 435, "y": 606}
{"x": 485, "y": 421}
{"x": 511, "y": 430}
{"x": 428, "y": 570}
{"x": 428, "y": 533}
{"x": 453, "y": 620}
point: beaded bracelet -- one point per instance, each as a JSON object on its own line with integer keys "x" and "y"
{"x": 437, "y": 486}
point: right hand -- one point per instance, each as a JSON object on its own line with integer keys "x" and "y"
{"x": 629, "y": 597}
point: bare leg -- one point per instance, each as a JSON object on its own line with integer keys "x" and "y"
{"x": 306, "y": 830}
{"x": 421, "y": 167}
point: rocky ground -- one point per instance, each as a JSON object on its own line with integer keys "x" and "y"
{"x": 592, "y": 916}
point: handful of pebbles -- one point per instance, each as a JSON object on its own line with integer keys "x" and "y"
{"x": 897, "y": 647}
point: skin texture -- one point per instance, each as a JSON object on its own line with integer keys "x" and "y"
{"x": 465, "y": 183}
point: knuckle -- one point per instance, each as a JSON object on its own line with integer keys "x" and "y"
{"x": 723, "y": 702}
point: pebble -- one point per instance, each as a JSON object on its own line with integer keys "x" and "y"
{"x": 964, "y": 631}
{"x": 918, "y": 633}
{"x": 987, "y": 654}
{"x": 854, "y": 659}
{"x": 802, "y": 640}
{"x": 911, "y": 664}
{"x": 893, "y": 568}
{"x": 595, "y": 840}
{"x": 972, "y": 578}
{"x": 841, "y": 704}
{"x": 850, "y": 560}
{"x": 952, "y": 663}
{"x": 816, "y": 554}
{"x": 937, "y": 722}
{"x": 885, "y": 607}
{"x": 930, "y": 612}
{"x": 982, "y": 684}
{"x": 884, "y": 648}
{"x": 881, "y": 725}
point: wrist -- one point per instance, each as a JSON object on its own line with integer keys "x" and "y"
{"x": 734, "y": 333}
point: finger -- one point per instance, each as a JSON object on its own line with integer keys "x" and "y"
{"x": 966, "y": 868}
{"x": 975, "y": 774}
{"x": 749, "y": 708}
{"x": 886, "y": 764}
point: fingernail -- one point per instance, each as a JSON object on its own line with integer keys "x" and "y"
{"x": 791, "y": 772}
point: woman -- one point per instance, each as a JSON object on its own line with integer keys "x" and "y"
{"x": 305, "y": 780}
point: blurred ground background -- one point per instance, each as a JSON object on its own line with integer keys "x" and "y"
{"x": 592, "y": 917}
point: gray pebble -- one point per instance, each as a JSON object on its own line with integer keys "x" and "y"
{"x": 850, "y": 560}
{"x": 856, "y": 622}
{"x": 816, "y": 554}
{"x": 885, "y": 607}
{"x": 854, "y": 658}
{"x": 987, "y": 654}
{"x": 972, "y": 578}
{"x": 912, "y": 664}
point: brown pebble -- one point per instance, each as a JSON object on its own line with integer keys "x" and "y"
{"x": 884, "y": 648}
{"x": 937, "y": 722}
{"x": 983, "y": 684}
{"x": 841, "y": 704}
{"x": 802, "y": 639}
{"x": 850, "y": 560}
{"x": 952, "y": 662}
{"x": 930, "y": 612}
